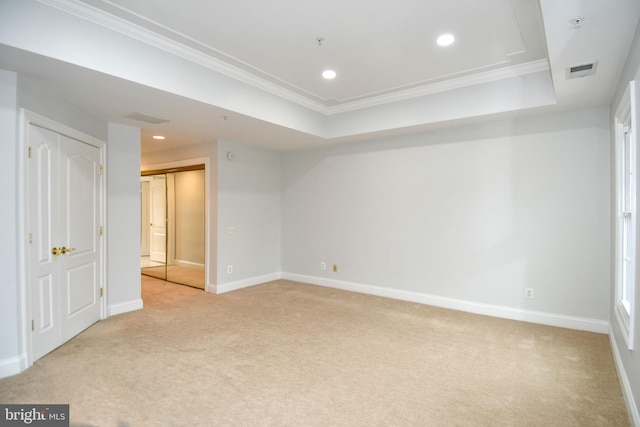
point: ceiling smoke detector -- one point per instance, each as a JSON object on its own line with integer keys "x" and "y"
{"x": 582, "y": 70}
{"x": 577, "y": 21}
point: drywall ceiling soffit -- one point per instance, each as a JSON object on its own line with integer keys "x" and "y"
{"x": 582, "y": 32}
{"x": 383, "y": 51}
{"x": 195, "y": 120}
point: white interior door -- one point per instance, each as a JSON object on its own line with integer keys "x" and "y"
{"x": 64, "y": 214}
{"x": 43, "y": 219}
{"x": 158, "y": 223}
{"x": 80, "y": 217}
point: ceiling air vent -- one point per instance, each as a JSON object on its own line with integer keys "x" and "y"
{"x": 147, "y": 118}
{"x": 582, "y": 70}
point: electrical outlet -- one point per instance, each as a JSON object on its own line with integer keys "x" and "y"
{"x": 335, "y": 268}
{"x": 528, "y": 293}
{"x": 323, "y": 266}
{"x": 229, "y": 269}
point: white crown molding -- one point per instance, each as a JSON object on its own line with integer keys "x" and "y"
{"x": 451, "y": 84}
{"x": 122, "y": 26}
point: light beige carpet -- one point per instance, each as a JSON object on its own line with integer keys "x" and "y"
{"x": 288, "y": 354}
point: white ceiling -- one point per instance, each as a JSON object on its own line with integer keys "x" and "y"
{"x": 383, "y": 51}
{"x": 374, "y": 46}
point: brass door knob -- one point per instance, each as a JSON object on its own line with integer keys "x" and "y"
{"x": 64, "y": 250}
{"x": 55, "y": 251}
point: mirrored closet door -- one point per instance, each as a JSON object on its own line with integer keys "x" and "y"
{"x": 172, "y": 237}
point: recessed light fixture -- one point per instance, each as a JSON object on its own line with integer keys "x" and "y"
{"x": 158, "y": 137}
{"x": 329, "y": 74}
{"x": 445, "y": 40}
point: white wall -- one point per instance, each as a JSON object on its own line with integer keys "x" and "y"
{"x": 466, "y": 218}
{"x": 628, "y": 362}
{"x": 10, "y": 361}
{"x": 245, "y": 194}
{"x": 18, "y": 91}
{"x": 123, "y": 219}
{"x": 42, "y": 99}
{"x": 249, "y": 199}
{"x": 123, "y": 175}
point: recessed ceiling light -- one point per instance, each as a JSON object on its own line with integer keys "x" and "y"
{"x": 329, "y": 74}
{"x": 445, "y": 40}
{"x": 158, "y": 137}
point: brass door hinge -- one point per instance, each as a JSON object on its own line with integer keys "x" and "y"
{"x": 30, "y": 238}
{"x": 100, "y": 169}
{"x": 101, "y": 292}
{"x": 33, "y": 325}
{"x": 100, "y": 230}
{"x": 29, "y": 152}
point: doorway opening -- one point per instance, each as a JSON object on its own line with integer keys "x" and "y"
{"x": 173, "y": 225}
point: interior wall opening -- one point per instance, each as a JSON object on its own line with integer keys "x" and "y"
{"x": 173, "y": 225}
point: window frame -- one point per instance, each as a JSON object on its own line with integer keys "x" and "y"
{"x": 626, "y": 214}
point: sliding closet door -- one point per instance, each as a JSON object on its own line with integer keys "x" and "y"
{"x": 187, "y": 222}
{"x": 158, "y": 223}
{"x": 153, "y": 235}
{"x": 173, "y": 204}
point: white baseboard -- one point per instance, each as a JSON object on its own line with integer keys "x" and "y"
{"x": 551, "y": 319}
{"x": 124, "y": 307}
{"x": 12, "y": 366}
{"x": 245, "y": 283}
{"x": 634, "y": 413}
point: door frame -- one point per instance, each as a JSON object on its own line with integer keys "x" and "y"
{"x": 165, "y": 167}
{"x": 28, "y": 118}
{"x": 158, "y": 192}
{"x": 144, "y": 217}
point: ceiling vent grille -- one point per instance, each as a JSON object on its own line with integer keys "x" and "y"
{"x": 147, "y": 118}
{"x": 582, "y": 70}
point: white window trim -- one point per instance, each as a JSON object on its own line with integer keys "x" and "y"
{"x": 625, "y": 121}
